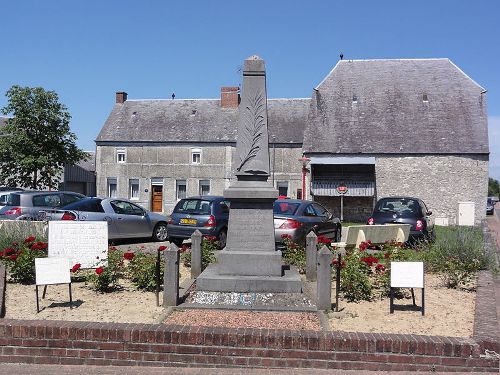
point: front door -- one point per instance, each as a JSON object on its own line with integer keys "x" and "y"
{"x": 157, "y": 198}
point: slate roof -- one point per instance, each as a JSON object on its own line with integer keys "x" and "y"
{"x": 197, "y": 120}
{"x": 391, "y": 116}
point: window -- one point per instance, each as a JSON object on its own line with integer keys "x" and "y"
{"x": 126, "y": 208}
{"x": 354, "y": 98}
{"x": 425, "y": 99}
{"x": 283, "y": 188}
{"x": 196, "y": 156}
{"x": 133, "y": 189}
{"x": 112, "y": 187}
{"x": 120, "y": 156}
{"x": 47, "y": 200}
{"x": 180, "y": 189}
{"x": 204, "y": 187}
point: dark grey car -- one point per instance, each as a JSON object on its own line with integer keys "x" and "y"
{"x": 27, "y": 205}
{"x": 405, "y": 210}
{"x": 125, "y": 219}
{"x": 297, "y": 218}
{"x": 208, "y": 214}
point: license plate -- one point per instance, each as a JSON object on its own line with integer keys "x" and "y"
{"x": 188, "y": 221}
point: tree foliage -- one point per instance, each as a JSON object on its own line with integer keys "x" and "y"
{"x": 37, "y": 141}
{"x": 493, "y": 188}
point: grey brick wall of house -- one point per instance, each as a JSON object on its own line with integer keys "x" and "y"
{"x": 171, "y": 163}
{"x": 440, "y": 181}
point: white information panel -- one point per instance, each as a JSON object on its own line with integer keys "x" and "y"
{"x": 50, "y": 271}
{"x": 407, "y": 274}
{"x": 84, "y": 242}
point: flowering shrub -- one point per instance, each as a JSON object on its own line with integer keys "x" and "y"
{"x": 141, "y": 270}
{"x": 354, "y": 275}
{"x": 20, "y": 259}
{"x": 105, "y": 278}
{"x": 294, "y": 254}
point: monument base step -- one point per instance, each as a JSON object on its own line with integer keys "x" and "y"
{"x": 210, "y": 280}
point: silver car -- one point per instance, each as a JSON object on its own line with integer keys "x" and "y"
{"x": 125, "y": 219}
{"x": 27, "y": 205}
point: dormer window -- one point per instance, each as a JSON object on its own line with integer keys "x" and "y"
{"x": 425, "y": 99}
{"x": 120, "y": 156}
{"x": 354, "y": 99}
{"x": 196, "y": 156}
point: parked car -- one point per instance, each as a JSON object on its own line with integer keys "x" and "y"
{"x": 27, "y": 205}
{"x": 125, "y": 219}
{"x": 490, "y": 207}
{"x": 405, "y": 210}
{"x": 208, "y": 214}
{"x": 4, "y": 195}
{"x": 298, "y": 218}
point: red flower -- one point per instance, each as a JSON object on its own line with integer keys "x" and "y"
{"x": 286, "y": 236}
{"x": 99, "y": 270}
{"x": 39, "y": 246}
{"x": 387, "y": 255}
{"x": 335, "y": 263}
{"x": 13, "y": 257}
{"x": 76, "y": 267}
{"x": 380, "y": 268}
{"x": 9, "y": 251}
{"x": 14, "y": 244}
{"x": 1, "y": 254}
{"x": 184, "y": 248}
{"x": 211, "y": 238}
{"x": 29, "y": 239}
{"x": 369, "y": 260}
{"x": 162, "y": 247}
{"x": 363, "y": 246}
{"x": 129, "y": 255}
{"x": 325, "y": 240}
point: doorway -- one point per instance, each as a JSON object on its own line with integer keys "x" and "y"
{"x": 157, "y": 198}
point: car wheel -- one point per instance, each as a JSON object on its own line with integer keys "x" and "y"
{"x": 160, "y": 232}
{"x": 222, "y": 239}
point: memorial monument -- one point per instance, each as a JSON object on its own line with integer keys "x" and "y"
{"x": 249, "y": 262}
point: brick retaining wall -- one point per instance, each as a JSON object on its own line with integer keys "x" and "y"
{"x": 62, "y": 342}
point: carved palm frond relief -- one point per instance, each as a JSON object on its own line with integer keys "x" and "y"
{"x": 254, "y": 123}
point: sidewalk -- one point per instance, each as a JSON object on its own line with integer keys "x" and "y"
{"x": 494, "y": 226}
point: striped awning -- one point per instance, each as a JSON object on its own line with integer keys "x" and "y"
{"x": 328, "y": 188}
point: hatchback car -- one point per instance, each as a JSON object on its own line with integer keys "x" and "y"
{"x": 208, "y": 214}
{"x": 297, "y": 218}
{"x": 27, "y": 205}
{"x": 490, "y": 207}
{"x": 125, "y": 219}
{"x": 405, "y": 210}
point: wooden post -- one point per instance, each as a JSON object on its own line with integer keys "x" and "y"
{"x": 195, "y": 254}
{"x": 311, "y": 256}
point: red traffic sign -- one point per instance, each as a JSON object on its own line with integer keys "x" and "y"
{"x": 342, "y": 189}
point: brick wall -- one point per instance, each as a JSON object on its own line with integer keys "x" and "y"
{"x": 92, "y": 343}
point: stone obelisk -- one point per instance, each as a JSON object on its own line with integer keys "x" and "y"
{"x": 250, "y": 263}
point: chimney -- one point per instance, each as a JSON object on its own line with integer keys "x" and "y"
{"x": 121, "y": 97}
{"x": 229, "y": 97}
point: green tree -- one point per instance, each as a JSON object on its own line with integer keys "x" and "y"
{"x": 493, "y": 188}
{"x": 36, "y": 142}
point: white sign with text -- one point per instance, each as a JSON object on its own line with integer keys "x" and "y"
{"x": 407, "y": 274}
{"x": 84, "y": 242}
{"x": 50, "y": 271}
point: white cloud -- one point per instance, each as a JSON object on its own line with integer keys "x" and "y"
{"x": 494, "y": 137}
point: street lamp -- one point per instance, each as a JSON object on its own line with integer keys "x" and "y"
{"x": 305, "y": 160}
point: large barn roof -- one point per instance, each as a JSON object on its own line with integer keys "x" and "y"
{"x": 197, "y": 120}
{"x": 397, "y": 106}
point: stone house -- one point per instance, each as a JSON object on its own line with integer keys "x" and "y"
{"x": 158, "y": 151}
{"x": 379, "y": 127}
{"x": 399, "y": 127}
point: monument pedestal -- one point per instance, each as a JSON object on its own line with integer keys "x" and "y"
{"x": 250, "y": 263}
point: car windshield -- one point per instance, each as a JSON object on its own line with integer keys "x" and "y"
{"x": 193, "y": 206}
{"x": 397, "y": 205}
{"x": 285, "y": 208}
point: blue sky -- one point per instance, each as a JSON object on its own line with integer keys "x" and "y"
{"x": 88, "y": 50}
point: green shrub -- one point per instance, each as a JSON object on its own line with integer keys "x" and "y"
{"x": 19, "y": 258}
{"x": 355, "y": 283}
{"x": 105, "y": 278}
{"x": 141, "y": 270}
{"x": 458, "y": 253}
{"x": 209, "y": 245}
